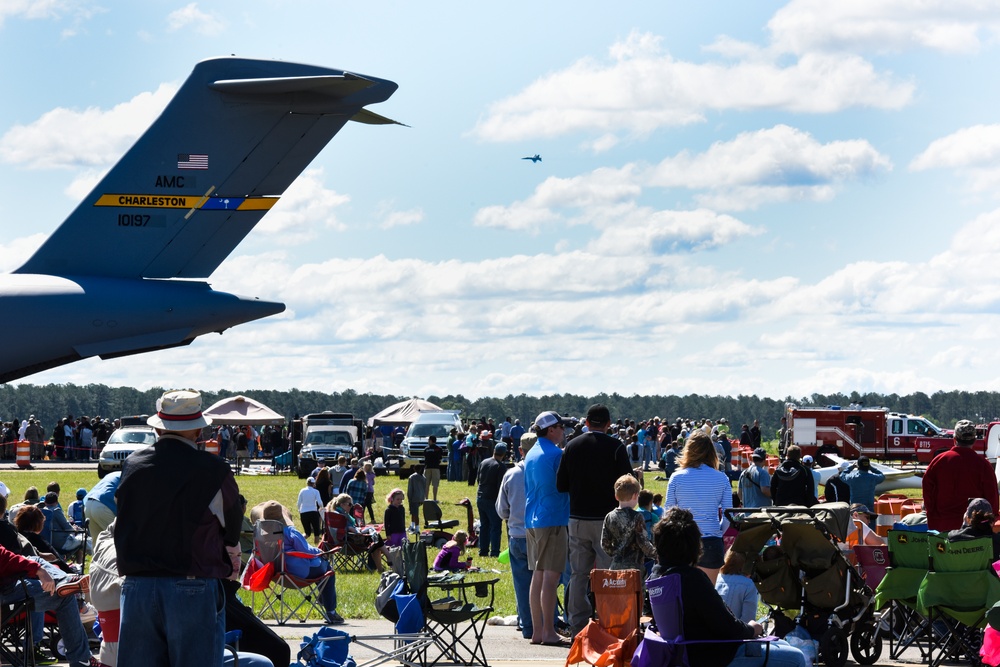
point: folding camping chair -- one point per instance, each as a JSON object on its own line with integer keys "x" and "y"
{"x": 453, "y": 615}
{"x": 611, "y": 637}
{"x": 286, "y": 596}
{"x": 15, "y": 633}
{"x": 957, "y": 591}
{"x": 897, "y": 594}
{"x": 665, "y": 646}
{"x": 347, "y": 551}
{"x": 873, "y": 560}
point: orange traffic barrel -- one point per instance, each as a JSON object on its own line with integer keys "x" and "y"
{"x": 212, "y": 446}
{"x": 911, "y": 506}
{"x": 23, "y": 459}
{"x": 889, "y": 508}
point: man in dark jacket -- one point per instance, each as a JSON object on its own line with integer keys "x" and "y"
{"x": 587, "y": 471}
{"x": 174, "y": 561}
{"x": 792, "y": 483}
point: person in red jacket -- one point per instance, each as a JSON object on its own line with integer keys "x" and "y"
{"x": 50, "y": 590}
{"x": 954, "y": 478}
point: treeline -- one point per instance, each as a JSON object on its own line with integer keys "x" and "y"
{"x": 49, "y": 403}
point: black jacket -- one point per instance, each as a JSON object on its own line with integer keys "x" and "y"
{"x": 589, "y": 467}
{"x": 165, "y": 526}
{"x": 792, "y": 484}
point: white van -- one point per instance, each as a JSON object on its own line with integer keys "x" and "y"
{"x": 438, "y": 423}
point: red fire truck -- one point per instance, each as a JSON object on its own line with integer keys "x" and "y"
{"x": 874, "y": 432}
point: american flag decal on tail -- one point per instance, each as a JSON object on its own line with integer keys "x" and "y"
{"x": 192, "y": 161}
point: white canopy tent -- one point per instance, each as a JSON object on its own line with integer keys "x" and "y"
{"x": 402, "y": 413}
{"x": 240, "y": 411}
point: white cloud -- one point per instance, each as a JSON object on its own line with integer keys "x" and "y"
{"x": 778, "y": 164}
{"x": 949, "y": 26}
{"x": 641, "y": 89}
{"x": 973, "y": 152}
{"x": 92, "y": 138}
{"x": 306, "y": 208}
{"x": 189, "y": 16}
{"x": 392, "y": 218}
{"x": 35, "y": 9}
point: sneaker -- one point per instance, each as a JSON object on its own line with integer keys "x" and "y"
{"x": 73, "y": 584}
{"x": 42, "y": 657}
{"x": 334, "y": 618}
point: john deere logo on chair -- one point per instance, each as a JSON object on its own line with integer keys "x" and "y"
{"x": 940, "y": 547}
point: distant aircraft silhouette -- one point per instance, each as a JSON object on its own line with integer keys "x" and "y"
{"x": 534, "y": 158}
{"x": 125, "y": 273}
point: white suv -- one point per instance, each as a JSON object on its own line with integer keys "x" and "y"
{"x": 437, "y": 423}
{"x": 123, "y": 442}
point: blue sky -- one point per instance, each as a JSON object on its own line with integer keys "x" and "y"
{"x": 734, "y": 198}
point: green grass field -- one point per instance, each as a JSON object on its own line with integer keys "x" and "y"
{"x": 355, "y": 591}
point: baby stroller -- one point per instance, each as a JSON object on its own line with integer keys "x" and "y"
{"x": 794, "y": 557}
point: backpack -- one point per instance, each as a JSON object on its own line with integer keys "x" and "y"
{"x": 389, "y": 585}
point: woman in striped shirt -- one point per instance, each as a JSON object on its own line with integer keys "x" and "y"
{"x": 699, "y": 487}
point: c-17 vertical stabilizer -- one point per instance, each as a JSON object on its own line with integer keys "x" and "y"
{"x": 234, "y": 137}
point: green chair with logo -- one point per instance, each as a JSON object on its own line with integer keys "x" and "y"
{"x": 897, "y": 594}
{"x": 957, "y": 591}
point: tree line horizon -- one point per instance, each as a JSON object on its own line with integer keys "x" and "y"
{"x": 51, "y": 402}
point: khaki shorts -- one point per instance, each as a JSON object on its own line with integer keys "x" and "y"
{"x": 433, "y": 476}
{"x": 548, "y": 548}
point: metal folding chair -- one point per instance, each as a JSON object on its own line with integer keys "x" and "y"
{"x": 286, "y": 596}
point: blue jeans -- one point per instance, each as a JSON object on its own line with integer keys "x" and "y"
{"x": 518, "y": 549}
{"x": 67, "y": 616}
{"x": 782, "y": 654}
{"x": 171, "y": 622}
{"x": 328, "y": 598}
{"x": 648, "y": 454}
{"x": 490, "y": 527}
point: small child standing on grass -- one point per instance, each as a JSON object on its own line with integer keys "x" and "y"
{"x": 394, "y": 519}
{"x": 624, "y": 535}
{"x": 416, "y": 491}
{"x": 370, "y": 496}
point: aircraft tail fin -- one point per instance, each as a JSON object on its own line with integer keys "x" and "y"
{"x": 234, "y": 137}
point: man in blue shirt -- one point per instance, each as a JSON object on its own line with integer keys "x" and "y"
{"x": 546, "y": 517}
{"x": 863, "y": 481}
{"x": 754, "y": 488}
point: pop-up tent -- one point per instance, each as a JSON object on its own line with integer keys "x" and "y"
{"x": 240, "y": 410}
{"x": 401, "y": 414}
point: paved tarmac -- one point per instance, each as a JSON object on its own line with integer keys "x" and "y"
{"x": 503, "y": 645}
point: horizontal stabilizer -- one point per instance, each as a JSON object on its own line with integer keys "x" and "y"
{"x": 332, "y": 85}
{"x": 371, "y": 118}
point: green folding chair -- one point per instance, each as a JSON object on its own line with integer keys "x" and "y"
{"x": 957, "y": 591}
{"x": 897, "y": 594}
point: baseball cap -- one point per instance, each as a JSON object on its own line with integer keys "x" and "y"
{"x": 4, "y": 491}
{"x": 861, "y": 508}
{"x": 500, "y": 448}
{"x": 807, "y": 459}
{"x": 844, "y": 465}
{"x": 598, "y": 413}
{"x": 965, "y": 431}
{"x": 978, "y": 505}
{"x": 864, "y": 462}
{"x": 547, "y": 419}
{"x": 759, "y": 453}
{"x": 311, "y": 480}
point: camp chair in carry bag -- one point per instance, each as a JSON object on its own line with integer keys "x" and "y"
{"x": 611, "y": 637}
{"x": 455, "y": 610}
{"x": 957, "y": 591}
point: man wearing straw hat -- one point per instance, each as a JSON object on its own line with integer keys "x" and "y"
{"x": 179, "y": 519}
